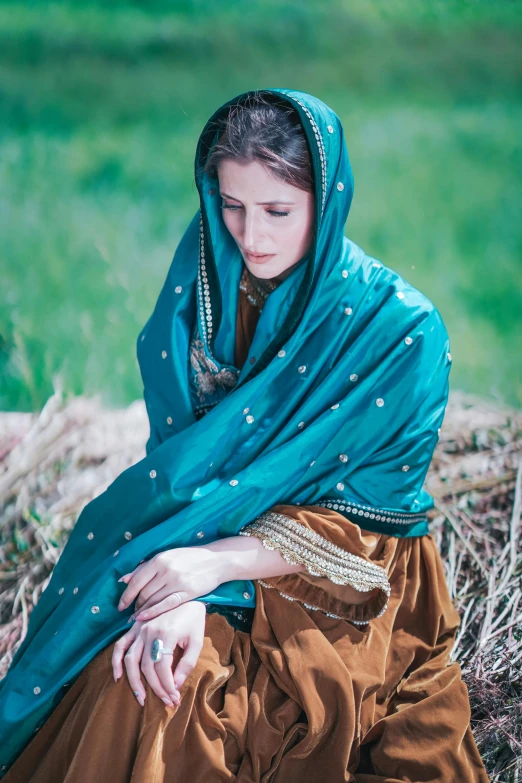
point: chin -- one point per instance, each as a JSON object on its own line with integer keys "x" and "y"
{"x": 261, "y": 270}
{"x": 264, "y": 273}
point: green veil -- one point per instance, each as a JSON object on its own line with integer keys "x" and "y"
{"x": 345, "y": 387}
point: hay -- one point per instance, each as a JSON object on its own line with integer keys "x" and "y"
{"x": 53, "y": 463}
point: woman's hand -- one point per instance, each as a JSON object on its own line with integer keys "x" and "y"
{"x": 178, "y": 575}
{"x": 183, "y": 627}
{"x": 171, "y": 578}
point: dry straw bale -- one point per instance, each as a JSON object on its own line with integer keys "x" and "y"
{"x": 54, "y": 462}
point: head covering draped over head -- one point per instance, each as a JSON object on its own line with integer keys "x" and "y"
{"x": 344, "y": 386}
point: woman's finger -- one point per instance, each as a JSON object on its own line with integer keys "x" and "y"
{"x": 119, "y": 649}
{"x": 151, "y": 609}
{"x": 163, "y": 670}
{"x": 127, "y": 577}
{"x": 151, "y": 588}
{"x": 158, "y": 596}
{"x": 132, "y": 664}
{"x": 139, "y": 579}
{"x": 189, "y": 659}
{"x": 164, "y": 688}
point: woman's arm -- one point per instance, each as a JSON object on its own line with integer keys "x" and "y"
{"x": 182, "y": 574}
{"x": 244, "y": 557}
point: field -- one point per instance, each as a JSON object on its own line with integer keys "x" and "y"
{"x": 101, "y": 106}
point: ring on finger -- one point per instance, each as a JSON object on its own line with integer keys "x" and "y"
{"x": 158, "y": 650}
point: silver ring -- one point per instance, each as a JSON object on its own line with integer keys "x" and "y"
{"x": 158, "y": 650}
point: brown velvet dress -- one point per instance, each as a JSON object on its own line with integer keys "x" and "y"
{"x": 312, "y": 693}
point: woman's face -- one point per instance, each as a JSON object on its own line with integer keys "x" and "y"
{"x": 266, "y": 217}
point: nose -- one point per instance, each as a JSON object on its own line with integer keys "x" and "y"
{"x": 252, "y": 233}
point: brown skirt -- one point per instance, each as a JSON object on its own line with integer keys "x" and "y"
{"x": 304, "y": 696}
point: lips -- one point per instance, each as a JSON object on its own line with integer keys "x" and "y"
{"x": 258, "y": 257}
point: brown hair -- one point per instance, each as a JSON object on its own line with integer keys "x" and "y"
{"x": 262, "y": 127}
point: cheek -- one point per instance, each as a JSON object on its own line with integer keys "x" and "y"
{"x": 231, "y": 222}
{"x": 297, "y": 236}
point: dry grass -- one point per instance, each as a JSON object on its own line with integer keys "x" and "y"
{"x": 53, "y": 463}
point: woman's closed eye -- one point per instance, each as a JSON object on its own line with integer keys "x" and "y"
{"x": 270, "y": 211}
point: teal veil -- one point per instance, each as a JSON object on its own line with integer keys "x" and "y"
{"x": 345, "y": 384}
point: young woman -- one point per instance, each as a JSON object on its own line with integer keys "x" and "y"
{"x": 291, "y": 617}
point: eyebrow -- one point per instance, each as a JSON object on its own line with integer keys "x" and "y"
{"x": 262, "y": 203}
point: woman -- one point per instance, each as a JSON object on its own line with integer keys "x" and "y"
{"x": 294, "y": 385}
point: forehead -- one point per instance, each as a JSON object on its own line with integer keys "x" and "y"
{"x": 253, "y": 180}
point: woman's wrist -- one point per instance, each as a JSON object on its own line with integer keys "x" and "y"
{"x": 245, "y": 557}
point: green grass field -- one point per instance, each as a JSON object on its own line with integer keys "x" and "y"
{"x": 101, "y": 106}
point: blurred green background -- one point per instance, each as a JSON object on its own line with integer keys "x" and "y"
{"x": 101, "y": 105}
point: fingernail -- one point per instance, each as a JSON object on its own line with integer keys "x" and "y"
{"x": 143, "y": 615}
{"x": 122, "y": 579}
{"x": 167, "y": 701}
{"x": 141, "y": 700}
{"x": 130, "y": 620}
{"x": 175, "y": 698}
